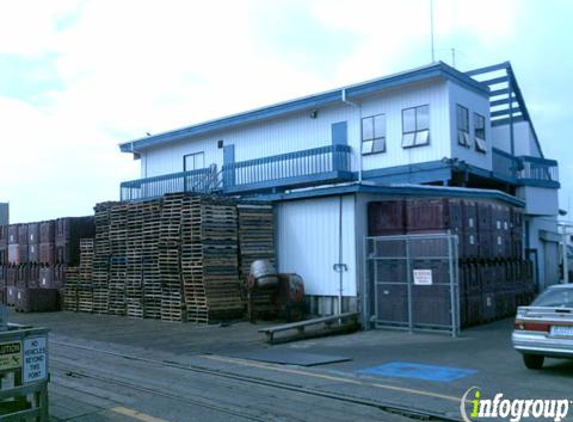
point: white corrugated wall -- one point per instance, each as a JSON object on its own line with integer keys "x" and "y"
{"x": 300, "y": 131}
{"x": 308, "y": 238}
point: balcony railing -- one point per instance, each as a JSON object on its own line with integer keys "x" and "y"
{"x": 302, "y": 168}
{"x": 536, "y": 169}
{"x": 525, "y": 170}
{"x": 296, "y": 169}
{"x": 202, "y": 180}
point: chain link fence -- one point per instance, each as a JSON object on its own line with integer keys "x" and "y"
{"x": 412, "y": 282}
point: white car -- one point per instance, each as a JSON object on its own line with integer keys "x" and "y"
{"x": 545, "y": 328}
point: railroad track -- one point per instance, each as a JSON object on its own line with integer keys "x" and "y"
{"x": 68, "y": 368}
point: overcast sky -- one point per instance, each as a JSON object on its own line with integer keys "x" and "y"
{"x": 79, "y": 77}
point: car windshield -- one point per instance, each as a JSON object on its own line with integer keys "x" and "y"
{"x": 560, "y": 298}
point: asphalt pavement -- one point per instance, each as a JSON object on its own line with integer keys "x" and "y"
{"x": 119, "y": 369}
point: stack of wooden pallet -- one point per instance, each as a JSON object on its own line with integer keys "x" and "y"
{"x": 85, "y": 286}
{"x": 117, "y": 264}
{"x": 172, "y": 303}
{"x": 150, "y": 259}
{"x": 102, "y": 253}
{"x": 71, "y": 289}
{"x": 134, "y": 249}
{"x": 176, "y": 258}
{"x": 209, "y": 260}
{"x": 256, "y": 235}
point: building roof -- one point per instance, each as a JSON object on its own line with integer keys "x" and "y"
{"x": 434, "y": 70}
{"x": 405, "y": 190}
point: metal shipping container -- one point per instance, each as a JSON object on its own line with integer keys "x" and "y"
{"x": 387, "y": 218}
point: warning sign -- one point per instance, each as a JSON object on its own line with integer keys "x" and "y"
{"x": 10, "y": 355}
{"x": 35, "y": 359}
{"x": 423, "y": 277}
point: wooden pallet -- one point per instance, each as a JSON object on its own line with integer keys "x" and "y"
{"x": 256, "y": 235}
{"x": 71, "y": 289}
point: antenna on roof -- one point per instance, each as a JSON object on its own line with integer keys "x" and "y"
{"x": 432, "y": 28}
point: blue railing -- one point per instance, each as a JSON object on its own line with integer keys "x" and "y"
{"x": 534, "y": 169}
{"x": 525, "y": 170}
{"x": 329, "y": 163}
{"x": 202, "y": 180}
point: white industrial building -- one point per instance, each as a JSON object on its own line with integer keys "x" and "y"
{"x": 428, "y": 132}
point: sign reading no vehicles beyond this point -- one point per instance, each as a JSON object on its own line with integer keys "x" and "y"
{"x": 35, "y": 359}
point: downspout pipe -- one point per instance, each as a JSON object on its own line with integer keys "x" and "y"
{"x": 356, "y": 105}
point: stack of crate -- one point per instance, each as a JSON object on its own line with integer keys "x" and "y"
{"x": 256, "y": 235}
{"x": 172, "y": 302}
{"x": 85, "y": 286}
{"x": 102, "y": 253}
{"x": 134, "y": 249}
{"x": 71, "y": 289}
{"x": 214, "y": 289}
{"x": 118, "y": 264}
{"x": 150, "y": 261}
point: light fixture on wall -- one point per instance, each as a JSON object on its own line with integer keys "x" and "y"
{"x": 313, "y": 113}
{"x": 220, "y": 143}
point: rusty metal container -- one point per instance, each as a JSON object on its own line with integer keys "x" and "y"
{"x": 423, "y": 215}
{"x": 3, "y": 237}
{"x": 14, "y": 253}
{"x": 387, "y": 218}
{"x": 48, "y": 231}
{"x": 36, "y": 300}
{"x": 33, "y": 235}
{"x": 69, "y": 231}
{"x": 13, "y": 234}
{"x": 46, "y": 277}
{"x": 47, "y": 253}
{"x": 34, "y": 253}
{"x": 23, "y": 234}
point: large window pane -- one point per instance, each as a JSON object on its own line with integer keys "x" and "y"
{"x": 408, "y": 139}
{"x": 462, "y": 118}
{"x": 194, "y": 161}
{"x": 409, "y": 120}
{"x": 423, "y": 117}
{"x": 380, "y": 126}
{"x": 367, "y": 147}
{"x": 479, "y": 123}
{"x": 379, "y": 145}
{"x": 422, "y": 137}
{"x": 480, "y": 145}
{"x": 367, "y": 128}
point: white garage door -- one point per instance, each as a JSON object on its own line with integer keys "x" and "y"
{"x": 308, "y": 243}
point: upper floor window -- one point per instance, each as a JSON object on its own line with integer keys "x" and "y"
{"x": 194, "y": 161}
{"x": 479, "y": 132}
{"x": 416, "y": 126}
{"x": 374, "y": 134}
{"x": 463, "y": 122}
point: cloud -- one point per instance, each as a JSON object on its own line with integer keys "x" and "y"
{"x": 101, "y": 72}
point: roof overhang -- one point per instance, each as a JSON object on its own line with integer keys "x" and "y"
{"x": 354, "y": 92}
{"x": 403, "y": 190}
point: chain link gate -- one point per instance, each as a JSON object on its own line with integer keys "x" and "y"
{"x": 412, "y": 282}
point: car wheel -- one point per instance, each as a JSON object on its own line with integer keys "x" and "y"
{"x": 533, "y": 361}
